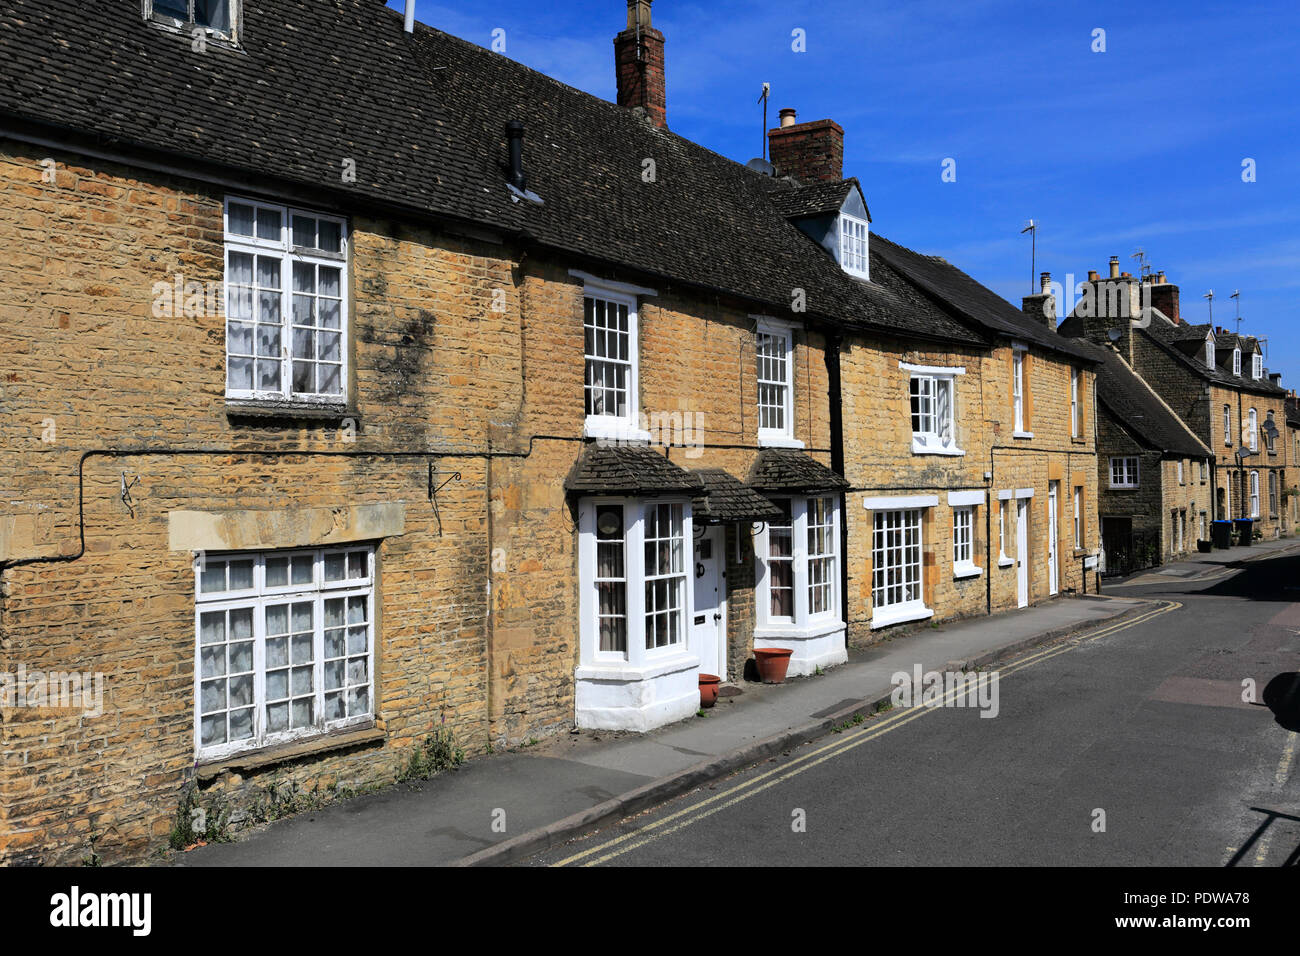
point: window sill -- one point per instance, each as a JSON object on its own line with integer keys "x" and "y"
{"x": 1020, "y": 434}
{"x": 778, "y": 441}
{"x": 614, "y": 430}
{"x": 960, "y": 571}
{"x": 1081, "y": 552}
{"x": 1123, "y": 488}
{"x": 923, "y": 447}
{"x": 626, "y": 672}
{"x": 769, "y": 632}
{"x": 283, "y": 753}
{"x": 900, "y": 615}
{"x": 1005, "y": 562}
{"x": 291, "y": 411}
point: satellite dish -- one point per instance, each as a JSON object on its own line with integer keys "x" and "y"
{"x": 761, "y": 166}
{"x": 1114, "y": 334}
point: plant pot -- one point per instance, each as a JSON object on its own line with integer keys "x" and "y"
{"x": 772, "y": 663}
{"x": 1204, "y": 547}
{"x": 709, "y": 686}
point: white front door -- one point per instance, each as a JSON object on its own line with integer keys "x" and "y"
{"x": 709, "y": 625}
{"x": 1052, "y": 585}
{"x": 1022, "y": 552}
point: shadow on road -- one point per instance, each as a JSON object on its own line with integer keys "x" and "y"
{"x": 1270, "y": 817}
{"x": 1282, "y": 697}
{"x": 1270, "y": 579}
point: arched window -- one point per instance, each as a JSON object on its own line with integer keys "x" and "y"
{"x": 1254, "y": 494}
{"x": 1252, "y": 432}
{"x": 1272, "y": 494}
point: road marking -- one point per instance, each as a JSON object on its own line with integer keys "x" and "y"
{"x": 770, "y": 778}
{"x": 1279, "y": 778}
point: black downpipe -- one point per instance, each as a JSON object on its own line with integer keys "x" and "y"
{"x": 832, "y": 357}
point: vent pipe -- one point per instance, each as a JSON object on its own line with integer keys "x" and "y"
{"x": 410, "y": 16}
{"x": 515, "y": 134}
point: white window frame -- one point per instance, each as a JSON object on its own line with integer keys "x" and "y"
{"x": 636, "y": 658}
{"x": 258, "y": 598}
{"x": 854, "y": 245}
{"x": 963, "y": 542}
{"x": 1227, "y": 425}
{"x": 1132, "y": 476}
{"x": 1078, "y": 518}
{"x": 1252, "y": 429}
{"x": 1205, "y": 471}
{"x": 803, "y": 621}
{"x": 932, "y": 379}
{"x": 1004, "y": 560}
{"x": 1236, "y": 361}
{"x": 1179, "y": 467}
{"x": 188, "y": 26}
{"x": 1254, "y": 494}
{"x": 1209, "y": 351}
{"x": 289, "y": 255}
{"x": 626, "y": 427}
{"x": 902, "y": 518}
{"x": 768, "y": 328}
{"x": 1074, "y": 403}
{"x": 1256, "y": 365}
{"x": 1018, "y": 352}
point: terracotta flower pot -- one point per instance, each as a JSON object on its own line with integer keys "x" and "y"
{"x": 709, "y": 685}
{"x": 772, "y": 663}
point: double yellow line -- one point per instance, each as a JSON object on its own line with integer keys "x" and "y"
{"x": 696, "y": 812}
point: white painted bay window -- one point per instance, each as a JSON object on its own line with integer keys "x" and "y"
{"x": 284, "y": 646}
{"x": 633, "y": 561}
{"x": 799, "y": 578}
{"x": 286, "y": 304}
{"x": 636, "y": 668}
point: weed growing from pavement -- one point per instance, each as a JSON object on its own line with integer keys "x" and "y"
{"x": 436, "y": 753}
{"x": 852, "y": 722}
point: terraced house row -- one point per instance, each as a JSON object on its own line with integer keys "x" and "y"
{"x": 362, "y": 384}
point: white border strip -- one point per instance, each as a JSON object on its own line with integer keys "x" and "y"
{"x": 609, "y": 284}
{"x": 966, "y": 498}
{"x": 932, "y": 369}
{"x": 890, "y": 503}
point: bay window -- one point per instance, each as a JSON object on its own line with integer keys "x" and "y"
{"x": 799, "y": 578}
{"x": 286, "y": 303}
{"x": 284, "y": 646}
{"x": 633, "y": 560}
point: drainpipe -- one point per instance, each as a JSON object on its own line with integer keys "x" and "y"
{"x": 834, "y": 343}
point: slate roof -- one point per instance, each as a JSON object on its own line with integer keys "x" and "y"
{"x": 787, "y": 469}
{"x": 423, "y": 115}
{"x": 977, "y": 303}
{"x": 1172, "y": 339}
{"x": 728, "y": 499}
{"x": 1128, "y": 398}
{"x": 796, "y": 201}
{"x": 633, "y": 470}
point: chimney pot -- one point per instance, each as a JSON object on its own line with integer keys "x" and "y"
{"x": 1114, "y": 267}
{"x": 1160, "y": 277}
{"x": 1092, "y": 275}
{"x": 1044, "y": 280}
{"x": 788, "y": 115}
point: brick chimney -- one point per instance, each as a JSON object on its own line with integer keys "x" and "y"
{"x": 1164, "y": 296}
{"x": 1041, "y": 307}
{"x": 639, "y": 64}
{"x": 810, "y": 152}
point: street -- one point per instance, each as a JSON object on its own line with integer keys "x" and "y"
{"x": 1129, "y": 745}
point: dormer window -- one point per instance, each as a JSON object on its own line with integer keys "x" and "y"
{"x": 218, "y": 18}
{"x": 853, "y": 246}
{"x": 1257, "y": 366}
{"x": 1209, "y": 352}
{"x": 1236, "y": 361}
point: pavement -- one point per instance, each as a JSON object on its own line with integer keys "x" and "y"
{"x": 502, "y": 808}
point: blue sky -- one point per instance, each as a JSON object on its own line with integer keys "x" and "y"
{"x": 1138, "y": 146}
